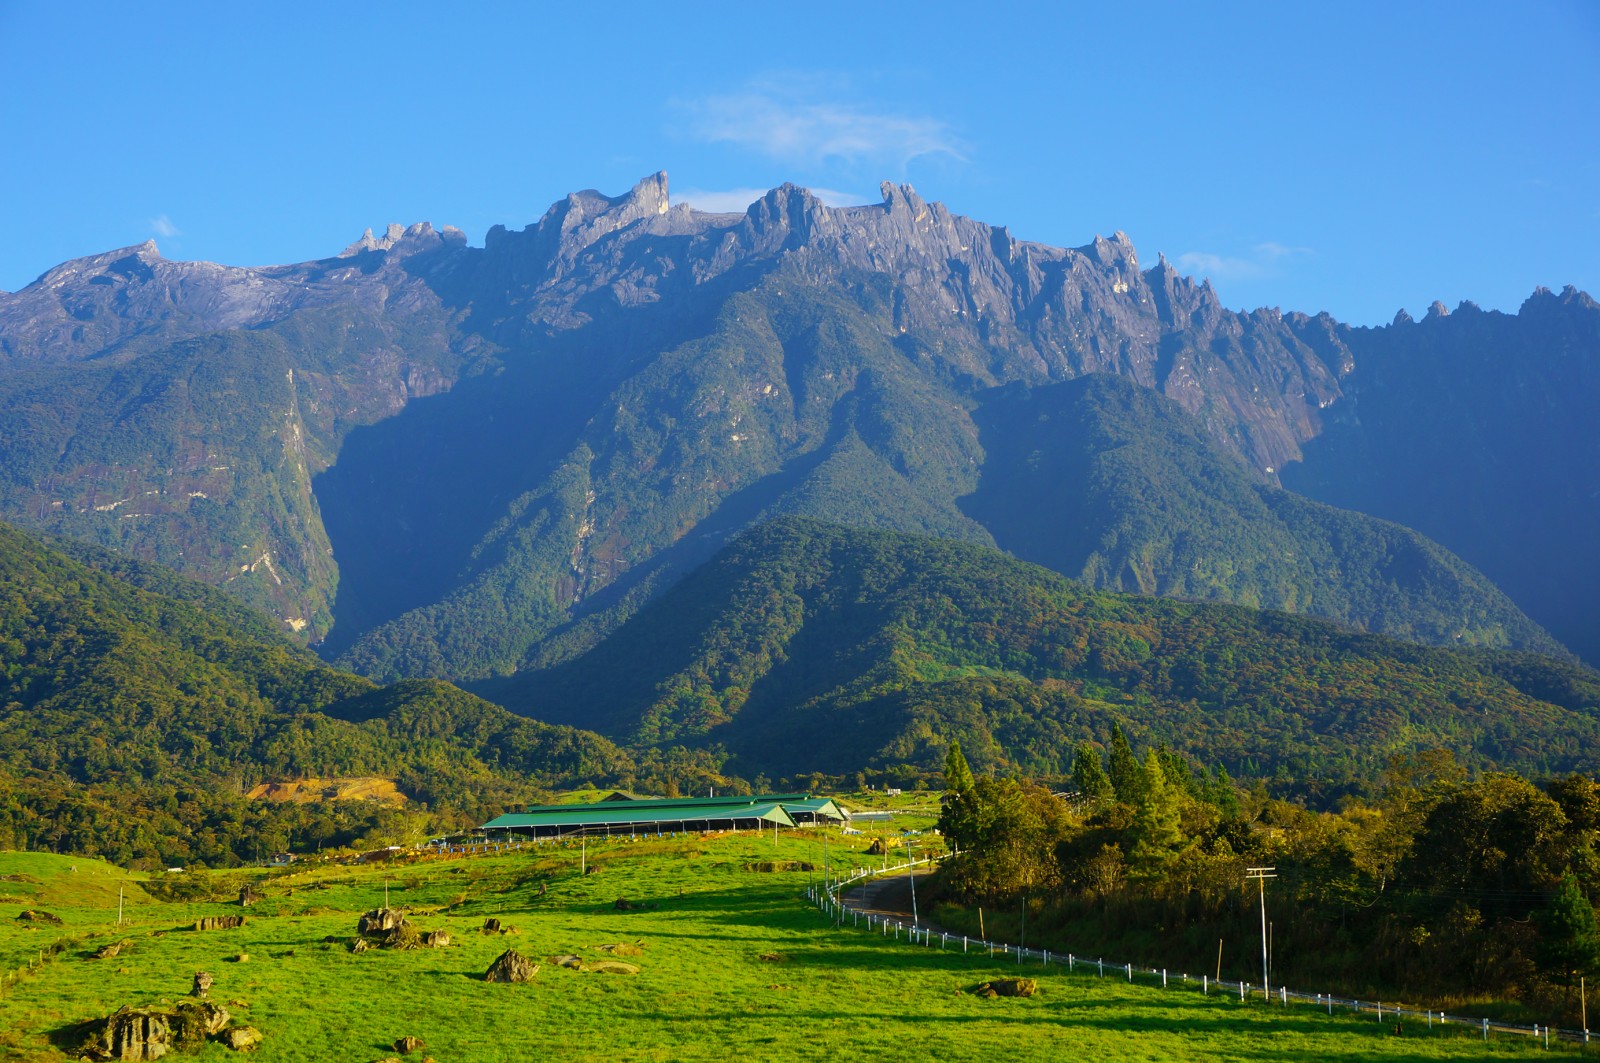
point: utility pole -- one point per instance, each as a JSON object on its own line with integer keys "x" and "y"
{"x": 1261, "y": 874}
{"x": 911, "y": 873}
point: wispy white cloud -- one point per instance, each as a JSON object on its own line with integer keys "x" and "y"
{"x": 162, "y": 226}
{"x": 1264, "y": 260}
{"x": 796, "y": 121}
{"x": 736, "y": 200}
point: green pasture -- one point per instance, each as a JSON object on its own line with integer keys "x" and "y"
{"x": 736, "y": 965}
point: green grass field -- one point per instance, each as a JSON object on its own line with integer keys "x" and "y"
{"x": 735, "y": 965}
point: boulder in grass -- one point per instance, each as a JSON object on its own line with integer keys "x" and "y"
{"x": 248, "y": 896}
{"x": 151, "y": 1033}
{"x": 610, "y": 967}
{"x": 242, "y": 1038}
{"x": 129, "y": 1033}
{"x": 202, "y": 985}
{"x": 33, "y": 915}
{"x": 113, "y": 950}
{"x": 380, "y": 921}
{"x": 1008, "y": 987}
{"x": 408, "y": 1044}
{"x": 219, "y": 922}
{"x": 436, "y": 939}
{"x": 491, "y": 926}
{"x": 511, "y": 966}
{"x": 877, "y": 848}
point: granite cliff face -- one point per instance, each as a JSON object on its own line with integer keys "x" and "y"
{"x": 460, "y": 461}
{"x": 988, "y": 307}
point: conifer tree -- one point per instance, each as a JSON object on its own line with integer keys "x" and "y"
{"x": 1125, "y": 773}
{"x": 1089, "y": 774}
{"x": 958, "y": 817}
{"x": 1569, "y": 941}
{"x": 1157, "y": 836}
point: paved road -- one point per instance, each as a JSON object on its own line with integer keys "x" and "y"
{"x": 889, "y": 897}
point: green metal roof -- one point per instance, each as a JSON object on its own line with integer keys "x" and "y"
{"x": 727, "y": 800}
{"x": 817, "y": 806}
{"x": 652, "y": 813}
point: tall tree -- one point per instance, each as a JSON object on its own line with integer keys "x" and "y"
{"x": 1089, "y": 774}
{"x": 1125, "y": 773}
{"x": 1569, "y": 941}
{"x": 959, "y": 813}
{"x": 1157, "y": 835}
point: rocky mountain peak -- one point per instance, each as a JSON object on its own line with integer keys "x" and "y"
{"x": 1116, "y": 252}
{"x": 409, "y": 239}
{"x": 574, "y": 224}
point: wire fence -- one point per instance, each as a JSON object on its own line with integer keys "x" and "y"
{"x": 10, "y": 979}
{"x": 829, "y": 898}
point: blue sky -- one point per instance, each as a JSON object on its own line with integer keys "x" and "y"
{"x": 1357, "y": 159}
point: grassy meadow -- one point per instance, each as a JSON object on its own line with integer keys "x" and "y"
{"x": 735, "y": 964}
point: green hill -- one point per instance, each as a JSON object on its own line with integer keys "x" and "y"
{"x": 131, "y": 721}
{"x": 804, "y": 646}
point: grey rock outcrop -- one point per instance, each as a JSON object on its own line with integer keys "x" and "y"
{"x": 152, "y": 1032}
{"x": 380, "y": 921}
{"x": 511, "y": 966}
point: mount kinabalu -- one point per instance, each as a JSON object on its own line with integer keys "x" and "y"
{"x": 459, "y": 461}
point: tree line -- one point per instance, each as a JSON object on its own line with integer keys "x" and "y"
{"x": 1436, "y": 886}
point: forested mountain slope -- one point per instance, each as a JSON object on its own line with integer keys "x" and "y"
{"x": 1101, "y": 479}
{"x": 118, "y": 701}
{"x": 808, "y": 646}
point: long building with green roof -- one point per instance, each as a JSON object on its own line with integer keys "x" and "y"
{"x": 666, "y": 815}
